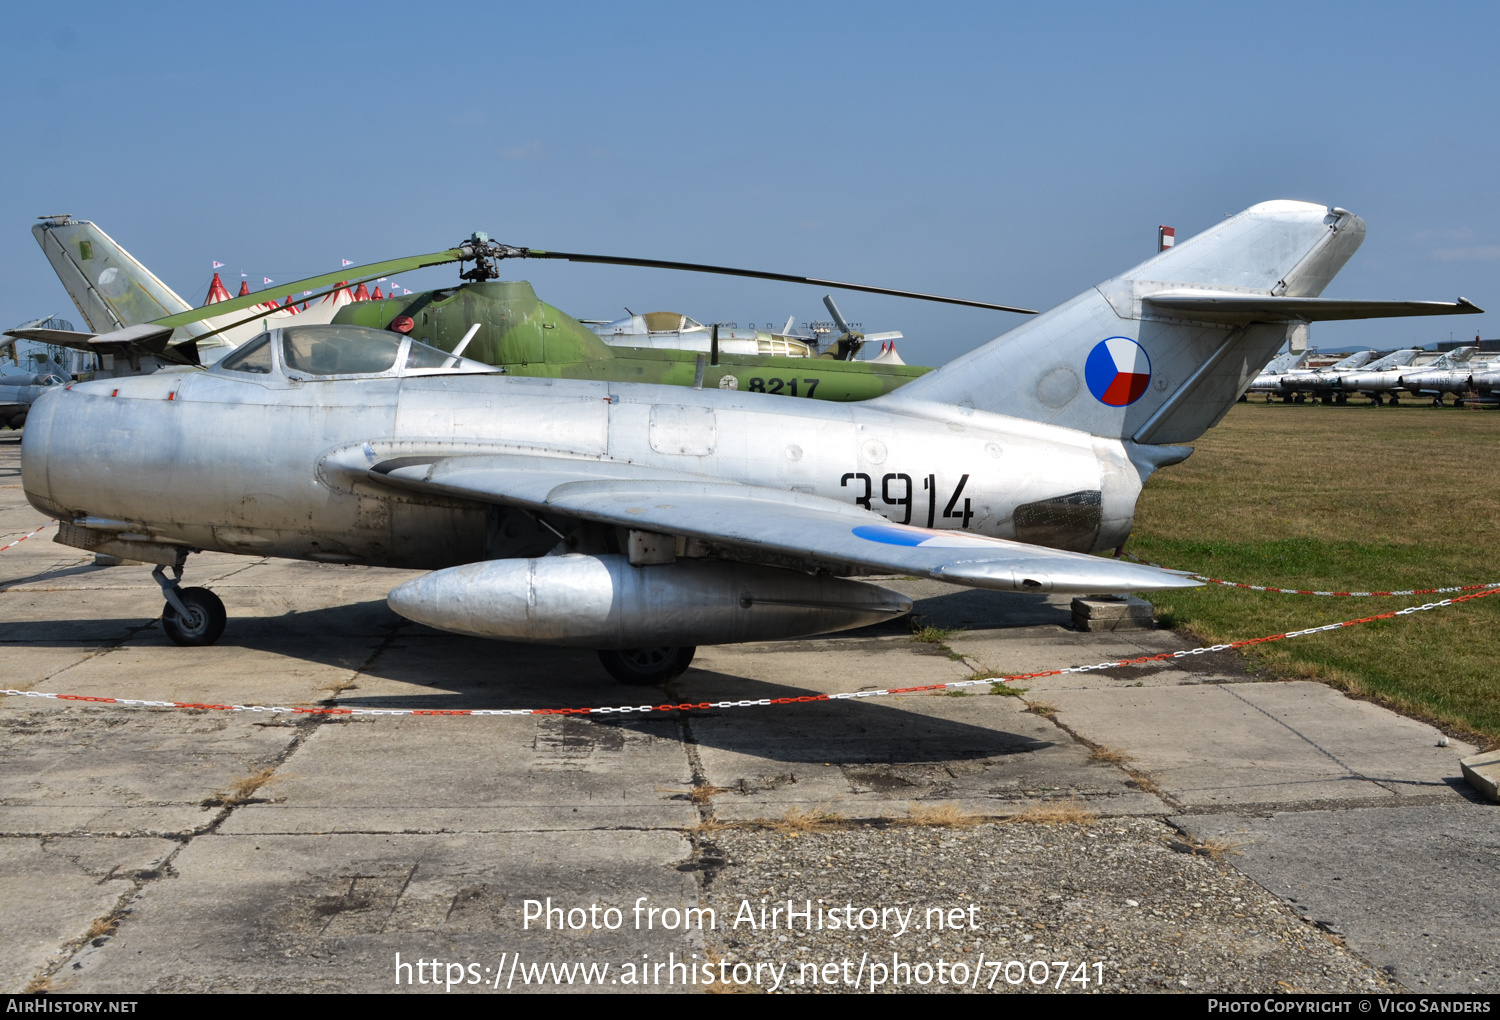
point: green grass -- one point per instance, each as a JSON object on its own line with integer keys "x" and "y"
{"x": 930, "y": 635}
{"x": 1343, "y": 498}
{"x": 935, "y": 638}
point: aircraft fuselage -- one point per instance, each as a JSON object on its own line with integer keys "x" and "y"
{"x": 272, "y": 466}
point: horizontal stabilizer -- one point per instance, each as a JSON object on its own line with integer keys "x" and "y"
{"x": 1218, "y": 306}
{"x": 56, "y": 337}
{"x": 142, "y": 338}
{"x": 764, "y": 519}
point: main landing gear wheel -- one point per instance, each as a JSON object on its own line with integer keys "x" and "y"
{"x": 647, "y": 666}
{"x": 204, "y": 622}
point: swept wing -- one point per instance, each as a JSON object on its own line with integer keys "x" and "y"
{"x": 763, "y": 519}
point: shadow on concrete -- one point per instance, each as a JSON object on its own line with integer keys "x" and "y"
{"x": 461, "y": 672}
{"x": 972, "y": 609}
{"x": 53, "y": 575}
{"x": 481, "y": 674}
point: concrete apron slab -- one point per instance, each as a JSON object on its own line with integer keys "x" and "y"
{"x": 869, "y": 759}
{"x": 492, "y": 800}
{"x": 88, "y": 771}
{"x": 276, "y": 913}
{"x": 877, "y": 758}
{"x": 478, "y": 775}
{"x": 84, "y": 879}
{"x": 1272, "y": 745}
{"x": 1412, "y": 889}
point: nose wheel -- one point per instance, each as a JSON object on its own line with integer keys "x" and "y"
{"x": 647, "y": 666}
{"x": 192, "y": 616}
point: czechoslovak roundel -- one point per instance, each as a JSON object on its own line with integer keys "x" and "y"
{"x": 1117, "y": 371}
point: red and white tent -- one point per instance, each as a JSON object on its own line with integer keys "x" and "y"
{"x": 340, "y": 297}
{"x": 216, "y": 292}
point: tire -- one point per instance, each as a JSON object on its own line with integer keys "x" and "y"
{"x": 647, "y": 666}
{"x": 1343, "y": 398}
{"x": 205, "y": 624}
{"x": 1298, "y": 398}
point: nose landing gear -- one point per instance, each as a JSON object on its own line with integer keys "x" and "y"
{"x": 192, "y": 616}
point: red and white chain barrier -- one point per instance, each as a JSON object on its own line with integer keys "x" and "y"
{"x": 751, "y": 703}
{"x": 24, "y": 537}
{"x": 1297, "y": 591}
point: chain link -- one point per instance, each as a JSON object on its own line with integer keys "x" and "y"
{"x": 758, "y": 702}
{"x": 24, "y": 537}
{"x": 1297, "y": 591}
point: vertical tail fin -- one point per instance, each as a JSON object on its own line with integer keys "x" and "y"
{"x": 1110, "y": 363}
{"x": 111, "y": 289}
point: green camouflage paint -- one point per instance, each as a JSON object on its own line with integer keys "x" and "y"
{"x": 527, "y": 336}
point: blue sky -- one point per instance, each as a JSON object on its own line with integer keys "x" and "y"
{"x": 1014, "y": 153}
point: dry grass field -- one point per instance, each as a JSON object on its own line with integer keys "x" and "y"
{"x": 1343, "y": 498}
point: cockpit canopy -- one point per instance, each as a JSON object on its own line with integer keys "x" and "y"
{"x": 647, "y": 324}
{"x": 344, "y": 352}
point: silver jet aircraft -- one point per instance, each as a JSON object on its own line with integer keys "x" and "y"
{"x": 18, "y": 391}
{"x": 1269, "y": 380}
{"x": 1376, "y": 380}
{"x": 1448, "y": 374}
{"x": 644, "y": 520}
{"x": 1485, "y": 383}
{"x": 1311, "y": 383}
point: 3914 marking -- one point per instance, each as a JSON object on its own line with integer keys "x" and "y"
{"x": 905, "y": 495}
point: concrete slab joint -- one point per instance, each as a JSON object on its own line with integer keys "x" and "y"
{"x": 1112, "y": 612}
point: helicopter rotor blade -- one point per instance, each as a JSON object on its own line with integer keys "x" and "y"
{"x": 260, "y": 313}
{"x": 754, "y": 274}
{"x": 482, "y": 247}
{"x": 353, "y": 275}
{"x": 833, "y": 310}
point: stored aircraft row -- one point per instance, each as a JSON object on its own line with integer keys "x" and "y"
{"x": 643, "y": 519}
{"x": 1454, "y": 372}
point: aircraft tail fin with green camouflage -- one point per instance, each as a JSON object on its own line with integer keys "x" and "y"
{"x": 111, "y": 288}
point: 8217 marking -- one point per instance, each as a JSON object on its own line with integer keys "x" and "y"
{"x": 775, "y": 385}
